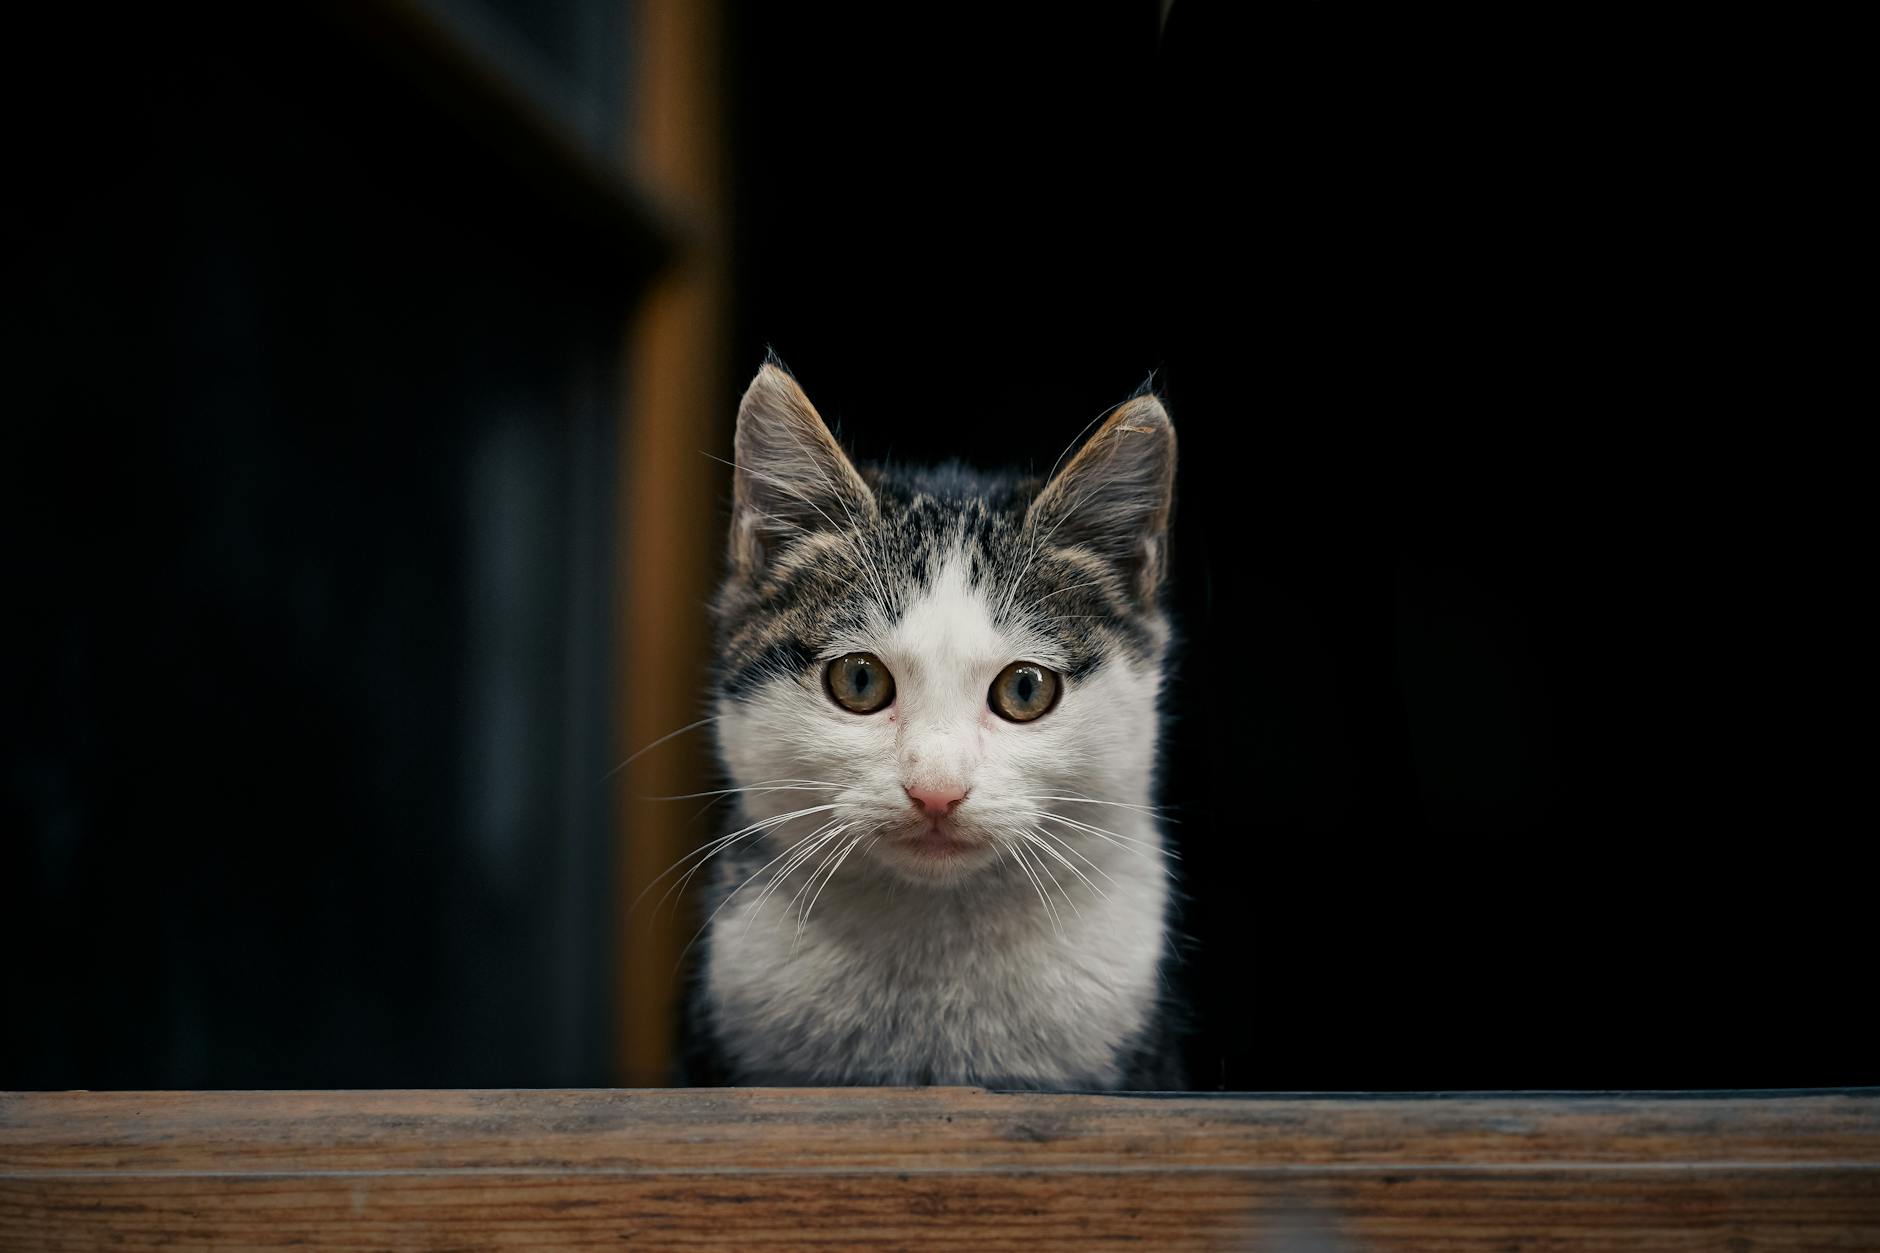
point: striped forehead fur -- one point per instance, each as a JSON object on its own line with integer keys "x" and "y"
{"x": 825, "y": 575}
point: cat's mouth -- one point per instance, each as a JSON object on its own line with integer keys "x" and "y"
{"x": 938, "y": 839}
{"x": 937, "y": 851}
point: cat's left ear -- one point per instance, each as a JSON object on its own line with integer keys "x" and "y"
{"x": 1117, "y": 495}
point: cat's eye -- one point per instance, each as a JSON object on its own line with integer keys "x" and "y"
{"x": 859, "y": 682}
{"x": 1024, "y": 690}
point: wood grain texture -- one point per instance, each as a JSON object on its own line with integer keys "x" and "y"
{"x": 940, "y": 1168}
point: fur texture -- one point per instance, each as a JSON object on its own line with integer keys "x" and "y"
{"x": 841, "y": 947}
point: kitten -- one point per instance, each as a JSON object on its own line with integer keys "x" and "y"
{"x": 937, "y": 701}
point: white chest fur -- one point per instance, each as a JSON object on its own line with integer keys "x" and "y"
{"x": 972, "y": 983}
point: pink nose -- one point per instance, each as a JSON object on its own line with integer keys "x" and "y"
{"x": 936, "y": 801}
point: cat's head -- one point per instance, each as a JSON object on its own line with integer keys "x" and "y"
{"x": 932, "y": 661}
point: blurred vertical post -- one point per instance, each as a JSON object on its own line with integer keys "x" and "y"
{"x": 678, "y": 409}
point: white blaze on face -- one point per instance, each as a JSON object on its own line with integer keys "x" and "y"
{"x": 944, "y": 653}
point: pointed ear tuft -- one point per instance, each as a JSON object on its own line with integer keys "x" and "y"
{"x": 792, "y": 478}
{"x": 1117, "y": 495}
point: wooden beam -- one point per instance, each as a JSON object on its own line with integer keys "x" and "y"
{"x": 928, "y": 1168}
{"x": 678, "y": 409}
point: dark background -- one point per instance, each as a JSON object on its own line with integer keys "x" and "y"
{"x": 1517, "y": 734}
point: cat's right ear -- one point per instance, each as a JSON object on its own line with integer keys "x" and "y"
{"x": 792, "y": 479}
{"x": 1116, "y": 496}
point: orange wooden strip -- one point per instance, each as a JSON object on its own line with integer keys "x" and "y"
{"x": 678, "y": 408}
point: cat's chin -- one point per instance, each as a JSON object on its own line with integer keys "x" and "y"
{"x": 935, "y": 857}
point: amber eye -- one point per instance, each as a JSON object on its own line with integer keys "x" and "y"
{"x": 859, "y": 682}
{"x": 1024, "y": 690}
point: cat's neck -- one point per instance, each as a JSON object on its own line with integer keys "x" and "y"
{"x": 885, "y": 981}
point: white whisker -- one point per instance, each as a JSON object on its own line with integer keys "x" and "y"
{"x": 656, "y": 743}
{"x": 1075, "y": 587}
{"x": 744, "y": 883}
{"x": 769, "y": 785}
{"x": 802, "y": 852}
{"x": 1073, "y": 850}
{"x": 713, "y": 847}
{"x": 833, "y": 844}
{"x": 1141, "y": 848}
{"x": 1032, "y": 836}
{"x": 1054, "y": 883}
{"x": 803, "y": 921}
{"x": 766, "y": 866}
{"x": 1037, "y": 886}
{"x": 1091, "y": 800}
{"x": 680, "y": 885}
{"x": 1093, "y": 829}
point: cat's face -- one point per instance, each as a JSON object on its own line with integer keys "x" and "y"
{"x": 938, "y": 671}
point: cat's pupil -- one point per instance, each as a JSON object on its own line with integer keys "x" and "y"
{"x": 862, "y": 678}
{"x": 1025, "y": 688}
